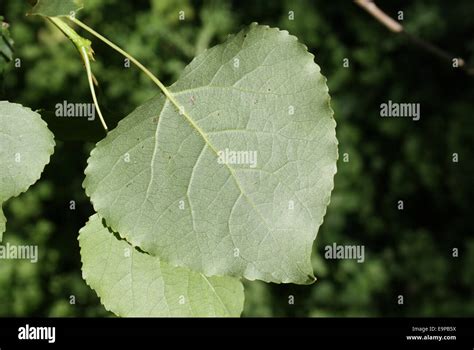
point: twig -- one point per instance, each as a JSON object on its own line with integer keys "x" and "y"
{"x": 396, "y": 27}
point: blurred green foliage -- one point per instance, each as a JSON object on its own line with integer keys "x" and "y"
{"x": 6, "y": 45}
{"x": 408, "y": 252}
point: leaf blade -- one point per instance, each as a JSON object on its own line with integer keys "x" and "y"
{"x": 26, "y": 145}
{"x": 56, "y": 8}
{"x": 141, "y": 285}
{"x": 252, "y": 81}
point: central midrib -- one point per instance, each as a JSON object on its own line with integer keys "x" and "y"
{"x": 182, "y": 111}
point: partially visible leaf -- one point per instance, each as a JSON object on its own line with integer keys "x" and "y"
{"x": 53, "y": 8}
{"x": 6, "y": 44}
{"x": 25, "y": 147}
{"x": 162, "y": 179}
{"x": 132, "y": 283}
{"x": 3, "y": 222}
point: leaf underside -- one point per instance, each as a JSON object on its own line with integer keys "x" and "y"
{"x": 26, "y": 145}
{"x": 54, "y": 8}
{"x": 132, "y": 283}
{"x": 158, "y": 181}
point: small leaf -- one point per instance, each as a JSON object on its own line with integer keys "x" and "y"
{"x": 25, "y": 147}
{"x": 54, "y": 8}
{"x": 238, "y": 180}
{"x": 132, "y": 283}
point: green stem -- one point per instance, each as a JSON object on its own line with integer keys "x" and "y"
{"x": 91, "y": 85}
{"x": 85, "y": 50}
{"x": 77, "y": 40}
{"x": 145, "y": 70}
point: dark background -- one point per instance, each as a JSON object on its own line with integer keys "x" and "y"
{"x": 409, "y": 252}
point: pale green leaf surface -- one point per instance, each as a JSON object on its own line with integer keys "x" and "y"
{"x": 53, "y": 8}
{"x": 157, "y": 181}
{"x": 132, "y": 283}
{"x": 3, "y": 222}
{"x": 25, "y": 147}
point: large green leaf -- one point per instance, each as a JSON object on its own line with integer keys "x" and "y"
{"x": 132, "y": 283}
{"x": 25, "y": 147}
{"x": 157, "y": 179}
{"x": 53, "y": 8}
